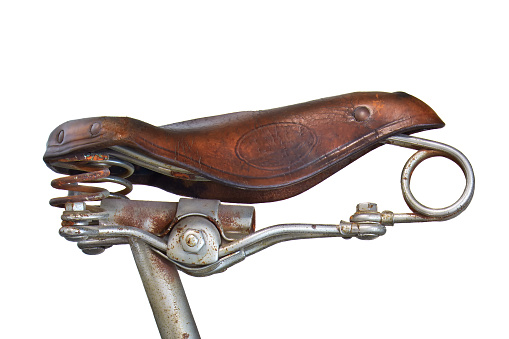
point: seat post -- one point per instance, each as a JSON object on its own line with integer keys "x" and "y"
{"x": 165, "y": 293}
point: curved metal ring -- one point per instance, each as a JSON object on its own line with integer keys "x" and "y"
{"x": 429, "y": 149}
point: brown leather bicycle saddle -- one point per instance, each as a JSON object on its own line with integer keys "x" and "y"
{"x": 249, "y": 157}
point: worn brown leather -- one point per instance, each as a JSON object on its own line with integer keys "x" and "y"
{"x": 255, "y": 156}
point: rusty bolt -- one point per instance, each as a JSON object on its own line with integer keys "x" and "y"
{"x": 192, "y": 241}
{"x": 367, "y": 207}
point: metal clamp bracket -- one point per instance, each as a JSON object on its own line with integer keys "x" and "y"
{"x": 194, "y": 237}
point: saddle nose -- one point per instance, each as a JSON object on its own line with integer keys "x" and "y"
{"x": 73, "y": 135}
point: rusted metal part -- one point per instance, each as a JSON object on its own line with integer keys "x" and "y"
{"x": 82, "y": 162}
{"x": 252, "y": 156}
{"x": 165, "y": 293}
{"x": 206, "y": 235}
{"x": 237, "y": 221}
{"x": 88, "y": 193}
{"x": 152, "y": 216}
{"x": 85, "y": 157}
{"x": 82, "y": 234}
{"x": 97, "y": 169}
{"x": 159, "y": 217}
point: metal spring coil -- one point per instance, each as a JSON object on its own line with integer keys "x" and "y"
{"x": 82, "y": 193}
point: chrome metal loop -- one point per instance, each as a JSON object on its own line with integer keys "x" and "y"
{"x": 126, "y": 166}
{"x": 428, "y": 149}
{"x": 128, "y": 170}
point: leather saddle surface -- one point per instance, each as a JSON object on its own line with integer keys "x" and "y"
{"x": 253, "y": 156}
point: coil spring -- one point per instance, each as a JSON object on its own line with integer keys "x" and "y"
{"x": 97, "y": 169}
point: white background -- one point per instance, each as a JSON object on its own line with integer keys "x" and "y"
{"x": 168, "y": 61}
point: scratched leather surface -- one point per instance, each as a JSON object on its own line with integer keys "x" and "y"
{"x": 254, "y": 156}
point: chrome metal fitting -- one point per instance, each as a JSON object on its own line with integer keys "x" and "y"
{"x": 196, "y": 236}
{"x": 364, "y": 231}
{"x": 192, "y": 241}
{"x": 367, "y": 207}
{"x": 75, "y": 206}
{"x": 81, "y": 217}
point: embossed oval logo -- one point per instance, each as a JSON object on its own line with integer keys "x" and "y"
{"x": 276, "y": 146}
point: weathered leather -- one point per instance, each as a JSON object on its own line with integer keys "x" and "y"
{"x": 253, "y": 156}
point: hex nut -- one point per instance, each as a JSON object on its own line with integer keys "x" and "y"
{"x": 367, "y": 207}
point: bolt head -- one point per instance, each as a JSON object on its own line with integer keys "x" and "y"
{"x": 75, "y": 206}
{"x": 192, "y": 241}
{"x": 367, "y": 207}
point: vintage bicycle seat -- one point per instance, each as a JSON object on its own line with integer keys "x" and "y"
{"x": 249, "y": 157}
